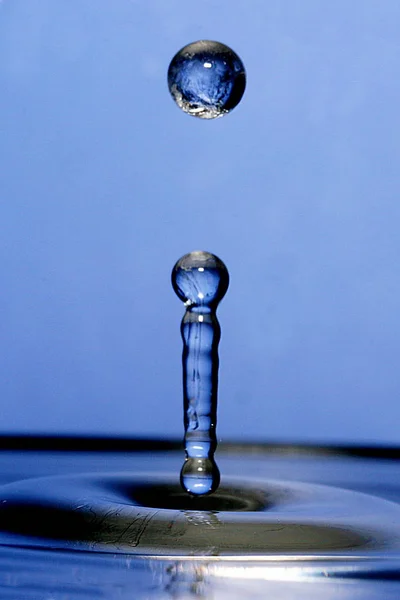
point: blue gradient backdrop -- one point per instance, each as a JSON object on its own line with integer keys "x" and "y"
{"x": 104, "y": 183}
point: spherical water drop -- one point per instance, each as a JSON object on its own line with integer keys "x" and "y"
{"x": 200, "y": 279}
{"x": 200, "y": 476}
{"x": 206, "y": 79}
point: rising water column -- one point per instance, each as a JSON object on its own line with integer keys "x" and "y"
{"x": 200, "y": 280}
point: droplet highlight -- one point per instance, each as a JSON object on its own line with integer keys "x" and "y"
{"x": 200, "y": 280}
{"x": 206, "y": 79}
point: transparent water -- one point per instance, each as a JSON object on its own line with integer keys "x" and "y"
{"x": 200, "y": 280}
{"x": 206, "y": 79}
{"x": 364, "y": 527}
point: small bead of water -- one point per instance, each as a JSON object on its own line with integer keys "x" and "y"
{"x": 200, "y": 280}
{"x": 206, "y": 79}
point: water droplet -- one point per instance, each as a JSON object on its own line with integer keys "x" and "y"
{"x": 200, "y": 280}
{"x": 206, "y": 79}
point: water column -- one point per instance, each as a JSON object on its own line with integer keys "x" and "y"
{"x": 200, "y": 280}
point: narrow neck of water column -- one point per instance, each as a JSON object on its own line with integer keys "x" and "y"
{"x": 201, "y": 333}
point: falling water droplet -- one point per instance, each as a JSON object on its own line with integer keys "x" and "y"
{"x": 200, "y": 280}
{"x": 206, "y": 79}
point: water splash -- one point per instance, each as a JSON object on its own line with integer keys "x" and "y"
{"x": 200, "y": 280}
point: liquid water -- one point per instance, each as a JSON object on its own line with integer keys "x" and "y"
{"x": 206, "y": 79}
{"x": 252, "y": 539}
{"x": 26, "y": 574}
{"x": 149, "y": 515}
{"x": 200, "y": 280}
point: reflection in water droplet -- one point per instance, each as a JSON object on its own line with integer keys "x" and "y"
{"x": 193, "y": 421}
{"x": 200, "y": 280}
{"x": 206, "y": 79}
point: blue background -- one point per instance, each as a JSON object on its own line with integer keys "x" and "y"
{"x": 104, "y": 184}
